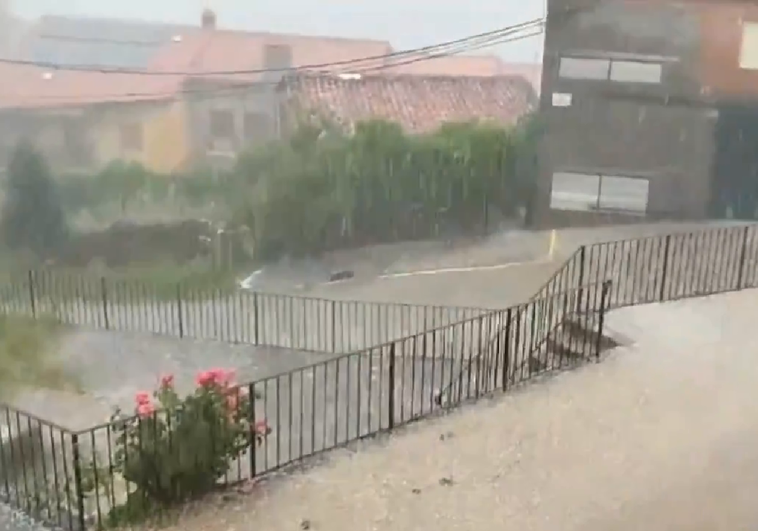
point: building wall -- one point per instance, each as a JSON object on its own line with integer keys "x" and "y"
{"x": 164, "y": 146}
{"x": 260, "y": 100}
{"x": 618, "y": 121}
{"x": 62, "y": 136}
{"x": 726, "y": 29}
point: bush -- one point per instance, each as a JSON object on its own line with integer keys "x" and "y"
{"x": 175, "y": 449}
{"x": 325, "y": 189}
{"x": 32, "y": 216}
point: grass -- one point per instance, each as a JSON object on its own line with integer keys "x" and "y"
{"x": 28, "y": 356}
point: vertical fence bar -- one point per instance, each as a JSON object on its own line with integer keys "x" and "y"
{"x": 582, "y": 253}
{"x": 256, "y": 322}
{"x": 179, "y": 310}
{"x": 601, "y": 318}
{"x": 391, "y": 387}
{"x": 104, "y": 294}
{"x": 664, "y": 268}
{"x": 334, "y": 326}
{"x": 31, "y": 294}
{"x": 77, "y": 464}
{"x": 743, "y": 255}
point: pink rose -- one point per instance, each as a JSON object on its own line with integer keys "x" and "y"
{"x": 167, "y": 381}
{"x": 142, "y": 397}
{"x": 145, "y": 410}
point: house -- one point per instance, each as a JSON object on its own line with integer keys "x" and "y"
{"x": 630, "y": 124}
{"x": 167, "y": 122}
{"x": 82, "y": 120}
{"x": 418, "y": 103}
{"x": 209, "y": 93}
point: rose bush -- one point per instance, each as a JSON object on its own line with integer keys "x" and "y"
{"x": 174, "y": 449}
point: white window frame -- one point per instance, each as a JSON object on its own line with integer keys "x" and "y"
{"x": 749, "y": 46}
{"x": 636, "y": 72}
{"x": 584, "y": 68}
{"x": 620, "y": 193}
{"x": 599, "y": 192}
{"x": 575, "y": 191}
{"x": 616, "y": 70}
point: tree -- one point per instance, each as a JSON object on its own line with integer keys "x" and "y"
{"x": 32, "y": 217}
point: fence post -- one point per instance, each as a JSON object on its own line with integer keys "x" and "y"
{"x": 179, "y": 311}
{"x": 32, "y": 298}
{"x": 391, "y": 404}
{"x": 334, "y": 327}
{"x": 103, "y": 290}
{"x": 743, "y": 257}
{"x": 664, "y": 272}
{"x": 256, "y": 323}
{"x": 507, "y": 349}
{"x": 251, "y": 417}
{"x": 601, "y": 317}
{"x": 77, "y": 464}
{"x": 580, "y": 294}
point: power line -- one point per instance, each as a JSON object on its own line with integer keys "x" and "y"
{"x": 320, "y": 66}
{"x": 535, "y": 29}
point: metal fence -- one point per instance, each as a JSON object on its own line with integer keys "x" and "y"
{"x": 315, "y": 408}
{"x": 40, "y": 468}
{"x": 50, "y": 472}
{"x": 664, "y": 268}
{"x": 261, "y": 319}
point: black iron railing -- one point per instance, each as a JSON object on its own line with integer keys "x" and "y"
{"x": 261, "y": 319}
{"x": 71, "y": 478}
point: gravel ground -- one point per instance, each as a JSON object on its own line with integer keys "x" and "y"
{"x": 661, "y": 435}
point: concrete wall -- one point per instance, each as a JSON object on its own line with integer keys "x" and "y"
{"x": 652, "y": 130}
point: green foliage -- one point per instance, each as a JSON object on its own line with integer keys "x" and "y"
{"x": 175, "y": 449}
{"x": 323, "y": 189}
{"x": 32, "y": 216}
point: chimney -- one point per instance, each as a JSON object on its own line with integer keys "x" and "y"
{"x": 208, "y": 20}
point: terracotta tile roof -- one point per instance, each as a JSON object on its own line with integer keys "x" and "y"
{"x": 471, "y": 65}
{"x": 27, "y": 87}
{"x": 418, "y": 103}
{"x": 192, "y": 51}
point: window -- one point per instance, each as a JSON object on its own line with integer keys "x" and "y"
{"x": 589, "y": 192}
{"x": 131, "y": 137}
{"x": 636, "y": 72}
{"x": 579, "y": 68}
{"x": 622, "y": 71}
{"x": 749, "y": 46}
{"x": 277, "y": 56}
{"x": 257, "y": 127}
{"x": 575, "y": 191}
{"x": 624, "y": 194}
{"x": 222, "y": 125}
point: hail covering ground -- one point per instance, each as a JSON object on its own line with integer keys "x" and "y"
{"x": 662, "y": 435}
{"x": 115, "y": 365}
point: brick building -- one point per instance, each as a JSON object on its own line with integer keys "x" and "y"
{"x": 651, "y": 110}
